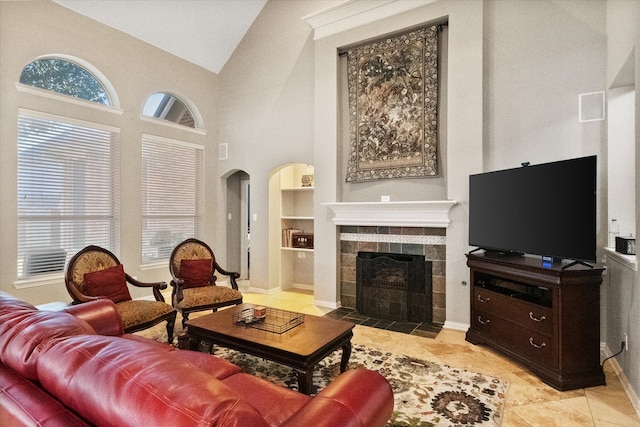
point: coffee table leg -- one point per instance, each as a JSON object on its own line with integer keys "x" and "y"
{"x": 305, "y": 380}
{"x": 346, "y": 353}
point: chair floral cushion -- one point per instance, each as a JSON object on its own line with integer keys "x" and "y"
{"x": 206, "y": 295}
{"x": 139, "y": 312}
{"x": 109, "y": 283}
{"x": 195, "y": 272}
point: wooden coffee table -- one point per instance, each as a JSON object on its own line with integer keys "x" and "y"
{"x": 300, "y": 348}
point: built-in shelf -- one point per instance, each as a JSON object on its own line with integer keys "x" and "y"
{"x": 296, "y": 249}
{"x": 295, "y": 213}
{"x": 628, "y": 261}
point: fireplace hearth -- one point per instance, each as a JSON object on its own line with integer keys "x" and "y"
{"x": 394, "y": 286}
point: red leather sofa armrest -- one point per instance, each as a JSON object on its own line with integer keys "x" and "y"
{"x": 358, "y": 397}
{"x": 101, "y": 314}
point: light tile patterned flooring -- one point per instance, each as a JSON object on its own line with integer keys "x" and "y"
{"x": 529, "y": 403}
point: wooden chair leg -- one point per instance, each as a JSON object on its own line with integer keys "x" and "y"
{"x": 171, "y": 323}
{"x": 185, "y": 317}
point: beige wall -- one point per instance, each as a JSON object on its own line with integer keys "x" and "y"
{"x": 463, "y": 130}
{"x": 512, "y": 97}
{"x": 266, "y": 114}
{"x": 29, "y": 29}
{"x": 275, "y": 103}
{"x": 621, "y": 303}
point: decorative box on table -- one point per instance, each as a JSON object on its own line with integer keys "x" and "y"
{"x": 626, "y": 245}
{"x": 302, "y": 241}
{"x": 268, "y": 319}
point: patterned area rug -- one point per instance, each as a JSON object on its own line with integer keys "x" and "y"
{"x": 426, "y": 393}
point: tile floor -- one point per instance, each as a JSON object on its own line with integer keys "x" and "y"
{"x": 428, "y": 330}
{"x": 529, "y": 403}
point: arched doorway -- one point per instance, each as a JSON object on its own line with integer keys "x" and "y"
{"x": 238, "y": 223}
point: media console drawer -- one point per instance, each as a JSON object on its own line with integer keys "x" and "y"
{"x": 535, "y": 345}
{"x": 547, "y": 318}
{"x": 523, "y": 313}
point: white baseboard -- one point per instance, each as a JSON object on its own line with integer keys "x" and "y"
{"x": 631, "y": 394}
{"x": 327, "y": 304}
{"x": 456, "y": 326}
{"x": 264, "y": 291}
{"x": 303, "y": 287}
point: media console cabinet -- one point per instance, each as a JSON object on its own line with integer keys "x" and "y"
{"x": 547, "y": 318}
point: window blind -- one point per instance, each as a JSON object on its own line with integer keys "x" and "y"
{"x": 67, "y": 190}
{"x": 172, "y": 195}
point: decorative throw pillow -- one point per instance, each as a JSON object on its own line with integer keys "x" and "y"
{"x": 108, "y": 283}
{"x": 195, "y": 272}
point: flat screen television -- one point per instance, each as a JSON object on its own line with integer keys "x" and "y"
{"x": 546, "y": 209}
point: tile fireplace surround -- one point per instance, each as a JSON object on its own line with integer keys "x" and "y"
{"x": 426, "y": 241}
{"x": 417, "y": 228}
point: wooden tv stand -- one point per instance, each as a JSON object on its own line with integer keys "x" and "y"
{"x": 546, "y": 318}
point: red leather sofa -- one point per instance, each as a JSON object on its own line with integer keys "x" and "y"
{"x": 77, "y": 368}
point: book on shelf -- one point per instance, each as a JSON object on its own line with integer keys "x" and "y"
{"x": 287, "y": 236}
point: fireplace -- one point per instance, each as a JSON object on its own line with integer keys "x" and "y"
{"x": 403, "y": 227}
{"x": 394, "y": 286}
{"x": 426, "y": 242}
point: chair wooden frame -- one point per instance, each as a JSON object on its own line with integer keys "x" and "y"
{"x": 197, "y": 249}
{"x": 74, "y": 281}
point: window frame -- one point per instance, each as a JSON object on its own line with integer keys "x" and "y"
{"x": 167, "y": 164}
{"x": 112, "y": 191}
{"x": 86, "y": 66}
{"x": 193, "y": 110}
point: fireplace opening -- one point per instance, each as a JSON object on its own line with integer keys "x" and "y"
{"x": 394, "y": 286}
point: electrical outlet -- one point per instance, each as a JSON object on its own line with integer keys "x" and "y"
{"x": 626, "y": 342}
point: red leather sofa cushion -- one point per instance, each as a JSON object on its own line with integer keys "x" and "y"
{"x": 10, "y": 304}
{"x": 171, "y": 390}
{"x": 23, "y": 333}
{"x": 211, "y": 365}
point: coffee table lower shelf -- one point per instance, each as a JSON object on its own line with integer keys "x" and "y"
{"x": 300, "y": 348}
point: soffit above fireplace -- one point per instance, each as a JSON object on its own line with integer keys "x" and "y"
{"x": 353, "y": 13}
{"x": 434, "y": 213}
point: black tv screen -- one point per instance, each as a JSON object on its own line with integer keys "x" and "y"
{"x": 547, "y": 209}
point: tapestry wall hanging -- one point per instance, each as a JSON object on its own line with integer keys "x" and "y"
{"x": 393, "y": 104}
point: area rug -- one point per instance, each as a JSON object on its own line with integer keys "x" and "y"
{"x": 426, "y": 393}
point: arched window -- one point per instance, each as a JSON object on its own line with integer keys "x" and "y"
{"x": 64, "y": 77}
{"x": 171, "y": 170}
{"x": 168, "y": 107}
{"x": 68, "y": 170}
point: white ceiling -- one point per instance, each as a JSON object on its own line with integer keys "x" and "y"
{"x": 204, "y": 32}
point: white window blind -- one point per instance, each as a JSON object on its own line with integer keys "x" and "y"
{"x": 172, "y": 195}
{"x": 67, "y": 190}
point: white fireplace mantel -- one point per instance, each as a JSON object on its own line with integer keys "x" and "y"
{"x": 433, "y": 213}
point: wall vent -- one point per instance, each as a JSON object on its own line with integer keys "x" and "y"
{"x": 223, "y": 151}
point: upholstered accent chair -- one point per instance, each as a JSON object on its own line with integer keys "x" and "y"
{"x": 193, "y": 266}
{"x": 96, "y": 273}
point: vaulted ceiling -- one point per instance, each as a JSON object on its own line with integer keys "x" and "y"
{"x": 204, "y": 32}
